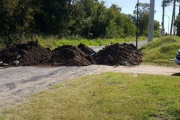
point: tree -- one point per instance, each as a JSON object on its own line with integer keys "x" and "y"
{"x": 16, "y": 18}
{"x": 114, "y": 22}
{"x": 143, "y": 9}
{"x": 156, "y": 28}
{"x": 177, "y": 24}
{"x": 99, "y": 21}
{"x": 144, "y": 18}
{"x": 86, "y": 18}
{"x": 53, "y": 16}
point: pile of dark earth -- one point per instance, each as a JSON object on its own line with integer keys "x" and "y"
{"x": 72, "y": 56}
{"x": 25, "y": 54}
{"x": 119, "y": 54}
{"x": 30, "y": 54}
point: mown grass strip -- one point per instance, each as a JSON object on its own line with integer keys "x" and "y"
{"x": 107, "y": 96}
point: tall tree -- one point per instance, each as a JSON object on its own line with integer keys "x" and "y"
{"x": 53, "y": 16}
{"x": 143, "y": 18}
{"x": 177, "y": 24}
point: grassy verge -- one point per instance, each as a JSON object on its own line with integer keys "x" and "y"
{"x": 53, "y": 42}
{"x": 107, "y": 96}
{"x": 161, "y": 51}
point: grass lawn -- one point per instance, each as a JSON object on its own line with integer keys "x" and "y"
{"x": 106, "y": 96}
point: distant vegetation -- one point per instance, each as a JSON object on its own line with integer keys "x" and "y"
{"x": 161, "y": 51}
{"x": 85, "y": 19}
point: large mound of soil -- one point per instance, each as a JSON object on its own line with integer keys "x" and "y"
{"x": 28, "y": 54}
{"x": 119, "y": 54}
{"x": 25, "y": 54}
{"x": 72, "y": 56}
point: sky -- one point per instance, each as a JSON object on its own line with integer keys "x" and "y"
{"x": 129, "y": 5}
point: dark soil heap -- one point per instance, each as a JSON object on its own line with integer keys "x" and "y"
{"x": 71, "y": 56}
{"x": 119, "y": 54}
{"x": 86, "y": 50}
{"x": 26, "y": 54}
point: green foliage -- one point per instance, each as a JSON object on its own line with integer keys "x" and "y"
{"x": 85, "y": 18}
{"x": 156, "y": 28}
{"x": 88, "y": 19}
{"x": 161, "y": 50}
{"x": 177, "y": 24}
{"x": 143, "y": 16}
{"x": 107, "y": 96}
{"x": 16, "y": 16}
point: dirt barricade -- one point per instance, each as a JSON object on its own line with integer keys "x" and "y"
{"x": 71, "y": 56}
{"x": 25, "y": 54}
{"x": 29, "y": 54}
{"x": 119, "y": 54}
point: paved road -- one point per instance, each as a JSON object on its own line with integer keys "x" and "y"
{"x": 140, "y": 44}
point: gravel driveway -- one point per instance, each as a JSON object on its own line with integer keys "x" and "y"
{"x": 18, "y": 83}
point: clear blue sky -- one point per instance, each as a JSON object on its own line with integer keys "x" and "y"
{"x": 129, "y": 5}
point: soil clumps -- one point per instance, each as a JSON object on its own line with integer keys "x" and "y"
{"x": 119, "y": 54}
{"x": 25, "y": 54}
{"x": 72, "y": 56}
{"x": 29, "y": 54}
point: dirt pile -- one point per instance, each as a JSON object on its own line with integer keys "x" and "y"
{"x": 119, "y": 54}
{"x": 25, "y": 54}
{"x": 86, "y": 50}
{"x": 72, "y": 56}
{"x": 28, "y": 54}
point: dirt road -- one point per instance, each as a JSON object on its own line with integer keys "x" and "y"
{"x": 18, "y": 83}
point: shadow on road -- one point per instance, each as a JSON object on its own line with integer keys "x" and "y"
{"x": 176, "y": 74}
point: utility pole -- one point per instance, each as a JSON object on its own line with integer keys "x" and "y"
{"x": 179, "y": 9}
{"x": 163, "y": 6}
{"x": 173, "y": 17}
{"x": 151, "y": 21}
{"x": 137, "y": 23}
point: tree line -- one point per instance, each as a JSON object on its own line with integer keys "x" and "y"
{"x": 85, "y": 18}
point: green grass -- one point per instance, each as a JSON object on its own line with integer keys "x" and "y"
{"x": 161, "y": 50}
{"x": 107, "y": 96}
{"x": 53, "y": 42}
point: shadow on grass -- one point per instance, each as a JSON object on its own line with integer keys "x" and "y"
{"x": 176, "y": 74}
